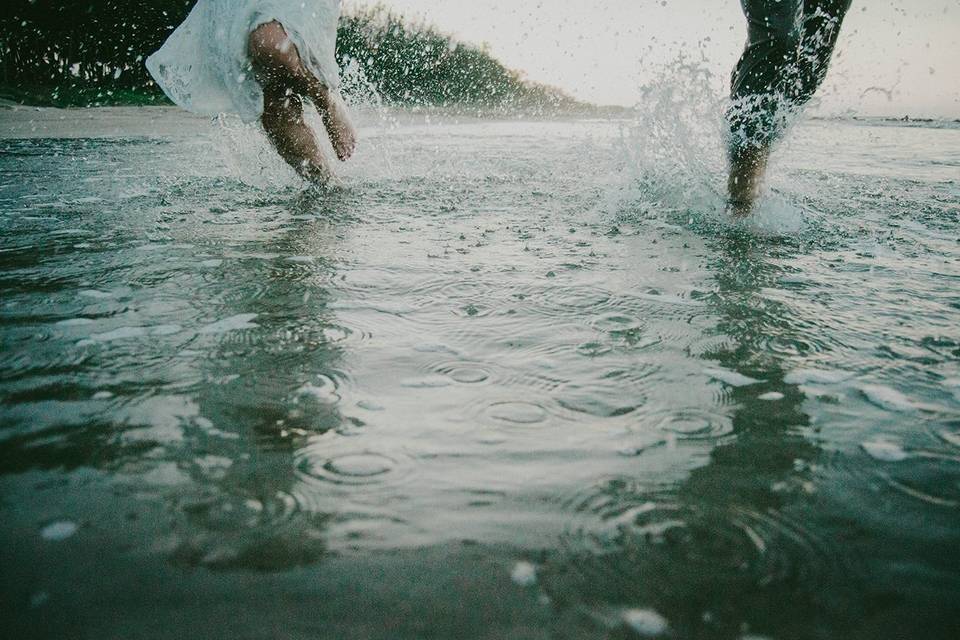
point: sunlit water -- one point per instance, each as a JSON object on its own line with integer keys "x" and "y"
{"x": 513, "y": 379}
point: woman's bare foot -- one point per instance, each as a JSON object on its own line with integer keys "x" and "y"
{"x": 336, "y": 119}
{"x": 747, "y": 168}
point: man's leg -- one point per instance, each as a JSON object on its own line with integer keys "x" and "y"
{"x": 789, "y": 48}
{"x": 774, "y": 31}
{"x": 821, "y": 27}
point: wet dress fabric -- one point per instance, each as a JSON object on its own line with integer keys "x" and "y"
{"x": 204, "y": 67}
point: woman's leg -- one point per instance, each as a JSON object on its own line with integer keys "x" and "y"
{"x": 285, "y": 80}
{"x": 294, "y": 140}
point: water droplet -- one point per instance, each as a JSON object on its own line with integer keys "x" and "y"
{"x": 524, "y": 574}
{"x": 57, "y": 531}
{"x": 645, "y": 622}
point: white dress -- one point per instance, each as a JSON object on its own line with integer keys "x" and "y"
{"x": 204, "y": 67}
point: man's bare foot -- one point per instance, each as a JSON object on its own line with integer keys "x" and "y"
{"x": 747, "y": 168}
{"x": 336, "y": 119}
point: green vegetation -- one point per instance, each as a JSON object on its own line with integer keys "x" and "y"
{"x": 91, "y": 53}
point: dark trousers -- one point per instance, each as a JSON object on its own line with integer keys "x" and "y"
{"x": 789, "y": 46}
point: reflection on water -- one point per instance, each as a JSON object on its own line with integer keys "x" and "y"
{"x": 467, "y": 394}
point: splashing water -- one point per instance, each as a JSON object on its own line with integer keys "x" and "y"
{"x": 515, "y": 378}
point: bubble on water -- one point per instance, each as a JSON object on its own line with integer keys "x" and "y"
{"x": 645, "y": 622}
{"x": 771, "y": 396}
{"x": 60, "y": 530}
{"x": 885, "y": 450}
{"x": 102, "y": 395}
{"x": 524, "y": 574}
{"x": 732, "y": 378}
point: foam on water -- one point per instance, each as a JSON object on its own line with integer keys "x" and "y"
{"x": 674, "y": 151}
{"x": 887, "y": 398}
{"x": 885, "y": 450}
{"x": 731, "y": 378}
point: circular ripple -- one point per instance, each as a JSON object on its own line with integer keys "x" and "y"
{"x": 594, "y": 349}
{"x": 324, "y": 463}
{"x": 359, "y": 465}
{"x": 555, "y": 301}
{"x": 261, "y": 532}
{"x": 616, "y": 323}
{"x": 466, "y": 374}
{"x": 619, "y": 529}
{"x": 693, "y": 424}
{"x": 351, "y": 468}
{"x": 461, "y": 371}
{"x": 517, "y": 412}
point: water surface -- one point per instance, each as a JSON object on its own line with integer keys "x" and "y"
{"x": 514, "y": 379}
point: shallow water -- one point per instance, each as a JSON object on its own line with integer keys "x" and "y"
{"x": 513, "y": 379}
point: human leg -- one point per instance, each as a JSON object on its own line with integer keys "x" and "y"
{"x": 293, "y": 139}
{"x": 821, "y": 24}
{"x": 789, "y": 46}
{"x": 757, "y": 85}
{"x": 285, "y": 79}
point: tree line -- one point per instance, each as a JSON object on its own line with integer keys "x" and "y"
{"x": 92, "y": 52}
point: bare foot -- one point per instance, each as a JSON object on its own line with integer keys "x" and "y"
{"x": 747, "y": 168}
{"x": 336, "y": 119}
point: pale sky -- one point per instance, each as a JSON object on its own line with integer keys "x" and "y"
{"x": 895, "y": 57}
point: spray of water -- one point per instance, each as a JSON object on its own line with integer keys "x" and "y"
{"x": 675, "y": 153}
